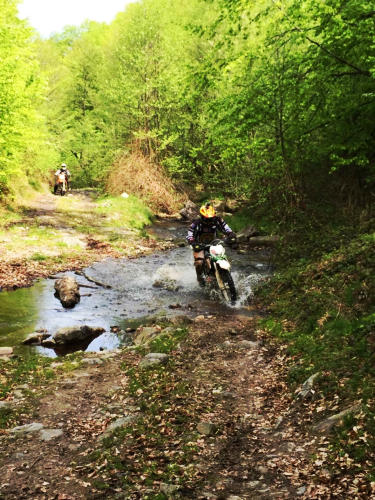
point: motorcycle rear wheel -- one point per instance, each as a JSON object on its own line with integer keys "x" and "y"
{"x": 229, "y": 292}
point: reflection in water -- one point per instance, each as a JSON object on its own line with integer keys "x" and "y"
{"x": 131, "y": 298}
{"x": 19, "y": 313}
{"x": 62, "y": 350}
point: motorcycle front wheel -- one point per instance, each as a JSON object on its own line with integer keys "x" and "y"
{"x": 229, "y": 291}
{"x": 60, "y": 191}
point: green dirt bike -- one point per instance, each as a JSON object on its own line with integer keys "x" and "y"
{"x": 217, "y": 270}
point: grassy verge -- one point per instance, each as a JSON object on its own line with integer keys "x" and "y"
{"x": 125, "y": 212}
{"x": 28, "y": 373}
{"x": 159, "y": 445}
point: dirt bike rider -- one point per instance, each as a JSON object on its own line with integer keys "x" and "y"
{"x": 62, "y": 170}
{"x": 202, "y": 231}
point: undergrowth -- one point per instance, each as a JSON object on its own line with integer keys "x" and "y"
{"x": 322, "y": 307}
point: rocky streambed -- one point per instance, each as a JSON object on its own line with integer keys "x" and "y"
{"x": 118, "y": 295}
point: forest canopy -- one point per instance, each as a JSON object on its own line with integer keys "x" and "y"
{"x": 269, "y": 100}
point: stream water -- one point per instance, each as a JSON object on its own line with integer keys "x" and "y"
{"x": 159, "y": 284}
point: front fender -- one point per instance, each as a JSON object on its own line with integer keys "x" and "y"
{"x": 224, "y": 264}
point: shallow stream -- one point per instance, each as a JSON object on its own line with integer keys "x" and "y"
{"x": 132, "y": 297}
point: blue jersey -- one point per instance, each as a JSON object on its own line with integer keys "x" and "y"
{"x": 199, "y": 232}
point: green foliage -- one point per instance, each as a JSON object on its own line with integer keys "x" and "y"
{"x": 22, "y": 128}
{"x": 166, "y": 342}
{"x": 273, "y": 101}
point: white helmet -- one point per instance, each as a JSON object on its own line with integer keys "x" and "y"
{"x": 63, "y": 165}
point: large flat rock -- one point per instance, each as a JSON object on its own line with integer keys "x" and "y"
{"x": 76, "y": 334}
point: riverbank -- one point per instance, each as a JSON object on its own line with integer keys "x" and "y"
{"x": 50, "y": 234}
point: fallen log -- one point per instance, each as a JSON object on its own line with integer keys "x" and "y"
{"x": 67, "y": 291}
{"x": 263, "y": 241}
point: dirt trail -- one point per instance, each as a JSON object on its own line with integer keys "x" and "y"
{"x": 57, "y": 234}
{"x": 231, "y": 378}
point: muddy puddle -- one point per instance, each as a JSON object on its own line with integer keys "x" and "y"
{"x": 159, "y": 284}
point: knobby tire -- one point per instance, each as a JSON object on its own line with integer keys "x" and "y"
{"x": 229, "y": 285}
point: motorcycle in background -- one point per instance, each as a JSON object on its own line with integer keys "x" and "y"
{"x": 61, "y": 184}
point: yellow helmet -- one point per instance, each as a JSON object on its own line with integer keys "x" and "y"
{"x": 207, "y": 211}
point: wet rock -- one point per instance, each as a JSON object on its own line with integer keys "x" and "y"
{"x": 35, "y": 338}
{"x": 228, "y": 395}
{"x": 199, "y": 318}
{"x": 167, "y": 284}
{"x": 50, "y": 434}
{"x": 76, "y": 334}
{"x": 206, "y": 428}
{"x": 6, "y": 351}
{"x": 67, "y": 291}
{"x": 325, "y": 426}
{"x": 154, "y": 359}
{"x": 190, "y": 210}
{"x": 27, "y": 428}
{"x": 145, "y": 334}
{"x": 50, "y": 343}
{"x": 175, "y": 306}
